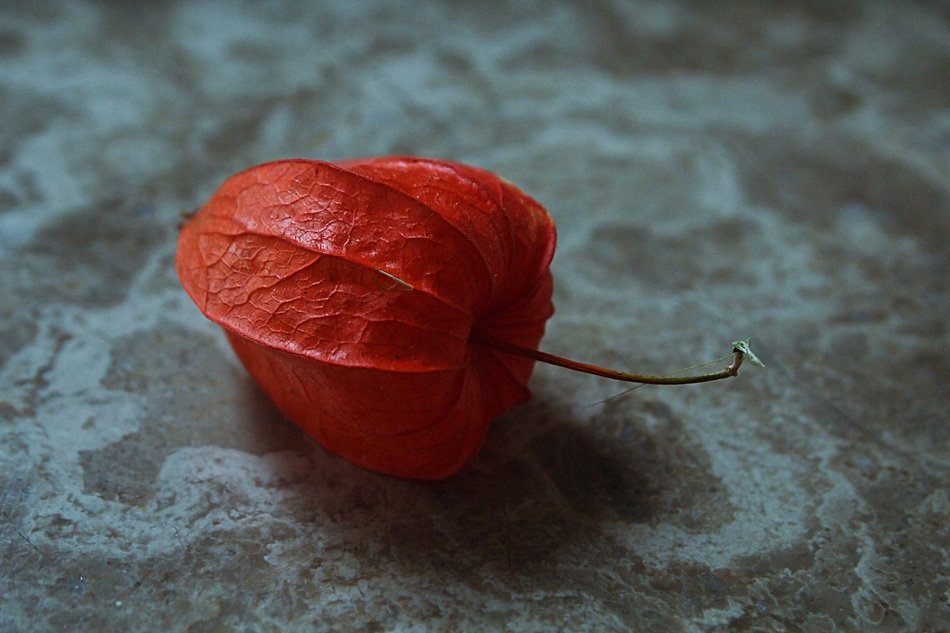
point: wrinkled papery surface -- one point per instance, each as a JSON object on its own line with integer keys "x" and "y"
{"x": 286, "y": 256}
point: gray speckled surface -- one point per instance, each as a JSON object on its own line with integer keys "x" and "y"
{"x": 776, "y": 170}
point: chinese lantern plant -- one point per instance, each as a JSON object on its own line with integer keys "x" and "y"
{"x": 391, "y": 307}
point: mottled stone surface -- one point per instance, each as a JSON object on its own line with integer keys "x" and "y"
{"x": 717, "y": 170}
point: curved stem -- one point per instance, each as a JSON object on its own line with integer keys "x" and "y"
{"x": 739, "y": 351}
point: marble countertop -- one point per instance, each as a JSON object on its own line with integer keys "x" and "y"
{"x": 716, "y": 171}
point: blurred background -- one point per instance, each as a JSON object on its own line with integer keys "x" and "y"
{"x": 716, "y": 171}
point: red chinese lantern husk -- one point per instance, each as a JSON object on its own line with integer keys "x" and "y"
{"x": 356, "y": 295}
